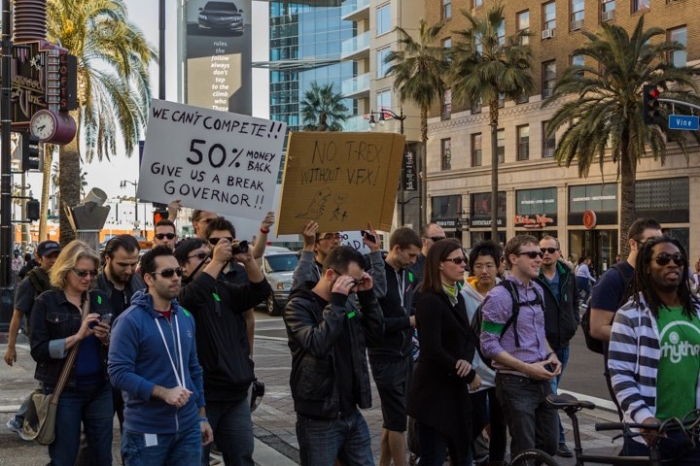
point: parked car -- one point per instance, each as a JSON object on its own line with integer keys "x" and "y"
{"x": 278, "y": 267}
{"x": 221, "y": 15}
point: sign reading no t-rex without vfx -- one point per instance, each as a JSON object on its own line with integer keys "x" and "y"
{"x": 210, "y": 160}
{"x": 340, "y": 180}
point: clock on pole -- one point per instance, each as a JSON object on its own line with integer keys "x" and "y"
{"x": 53, "y": 127}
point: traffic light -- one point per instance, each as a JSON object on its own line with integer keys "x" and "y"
{"x": 651, "y": 106}
{"x": 33, "y": 210}
{"x": 158, "y": 215}
{"x": 30, "y": 153}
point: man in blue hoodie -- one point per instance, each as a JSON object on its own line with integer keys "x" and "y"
{"x": 153, "y": 360}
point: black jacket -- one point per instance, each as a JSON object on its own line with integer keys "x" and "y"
{"x": 222, "y": 344}
{"x": 313, "y": 332}
{"x": 135, "y": 284}
{"x": 561, "y": 318}
{"x": 55, "y": 318}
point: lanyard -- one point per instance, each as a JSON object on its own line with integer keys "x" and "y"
{"x": 400, "y": 281}
{"x": 178, "y": 345}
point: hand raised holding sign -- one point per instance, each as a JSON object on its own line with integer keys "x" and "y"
{"x": 309, "y": 235}
{"x": 371, "y": 238}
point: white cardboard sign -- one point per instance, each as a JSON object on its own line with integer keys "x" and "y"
{"x": 354, "y": 240}
{"x": 216, "y": 161}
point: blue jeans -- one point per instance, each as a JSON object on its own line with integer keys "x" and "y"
{"x": 532, "y": 423}
{"x": 434, "y": 445}
{"x": 90, "y": 405}
{"x": 563, "y": 356}
{"x": 321, "y": 441}
{"x": 583, "y": 285}
{"x": 233, "y": 432}
{"x": 181, "y": 449}
{"x": 670, "y": 448}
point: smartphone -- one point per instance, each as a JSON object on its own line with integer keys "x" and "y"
{"x": 370, "y": 237}
{"x": 106, "y": 318}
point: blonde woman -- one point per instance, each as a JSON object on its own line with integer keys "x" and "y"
{"x": 57, "y": 326}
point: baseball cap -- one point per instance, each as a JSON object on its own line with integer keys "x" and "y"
{"x": 47, "y": 247}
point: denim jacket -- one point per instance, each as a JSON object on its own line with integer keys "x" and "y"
{"x": 54, "y": 319}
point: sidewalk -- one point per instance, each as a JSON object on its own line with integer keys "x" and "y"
{"x": 274, "y": 421}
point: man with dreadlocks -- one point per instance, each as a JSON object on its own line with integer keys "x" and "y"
{"x": 654, "y": 347}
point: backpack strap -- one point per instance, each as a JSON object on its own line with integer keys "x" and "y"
{"x": 513, "y": 319}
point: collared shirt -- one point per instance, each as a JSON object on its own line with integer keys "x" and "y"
{"x": 497, "y": 310}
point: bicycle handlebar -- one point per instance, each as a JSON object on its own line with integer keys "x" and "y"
{"x": 601, "y": 426}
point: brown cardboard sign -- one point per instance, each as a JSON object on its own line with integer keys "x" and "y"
{"x": 340, "y": 180}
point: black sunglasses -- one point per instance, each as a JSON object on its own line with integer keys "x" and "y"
{"x": 531, "y": 254}
{"x": 356, "y": 282}
{"x": 549, "y": 250}
{"x": 168, "y": 273}
{"x": 457, "y": 260}
{"x": 92, "y": 273}
{"x": 165, "y": 235}
{"x": 436, "y": 238}
{"x": 215, "y": 241}
{"x": 664, "y": 258}
{"x": 200, "y": 255}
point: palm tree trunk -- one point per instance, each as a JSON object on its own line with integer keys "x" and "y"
{"x": 627, "y": 196}
{"x": 493, "y": 117}
{"x": 423, "y": 170}
{"x": 45, "y": 189}
{"x": 69, "y": 182}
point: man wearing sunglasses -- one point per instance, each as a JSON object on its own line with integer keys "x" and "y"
{"x": 561, "y": 317}
{"x": 653, "y": 355}
{"x": 223, "y": 347}
{"x": 522, "y": 357}
{"x": 153, "y": 361}
{"x": 328, "y": 335}
{"x": 165, "y": 234}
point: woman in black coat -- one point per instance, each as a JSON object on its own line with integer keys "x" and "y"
{"x": 439, "y": 394}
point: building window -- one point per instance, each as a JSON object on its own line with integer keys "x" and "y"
{"x": 447, "y": 45}
{"x": 382, "y": 65}
{"x": 446, "y": 9}
{"x": 524, "y": 142}
{"x": 501, "y": 145}
{"x": 476, "y": 105}
{"x": 447, "y": 104}
{"x": 522, "y": 22}
{"x": 446, "y": 154}
{"x": 607, "y": 10}
{"x": 638, "y": 5}
{"x": 549, "y": 16}
{"x": 549, "y": 77}
{"x": 678, "y": 58}
{"x": 384, "y": 99}
{"x": 549, "y": 145}
{"x": 577, "y": 14}
{"x": 476, "y": 150}
{"x": 578, "y": 60}
{"x": 383, "y": 19}
{"x": 477, "y": 3}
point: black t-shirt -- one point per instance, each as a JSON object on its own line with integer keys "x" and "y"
{"x": 118, "y": 301}
{"x": 24, "y": 297}
{"x": 610, "y": 288}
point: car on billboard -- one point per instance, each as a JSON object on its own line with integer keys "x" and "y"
{"x": 221, "y": 16}
{"x": 278, "y": 268}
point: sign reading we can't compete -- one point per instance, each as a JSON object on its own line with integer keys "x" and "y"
{"x": 216, "y": 161}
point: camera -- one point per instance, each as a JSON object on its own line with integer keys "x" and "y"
{"x": 369, "y": 236}
{"x": 239, "y": 248}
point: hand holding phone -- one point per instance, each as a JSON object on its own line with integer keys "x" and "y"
{"x": 106, "y": 318}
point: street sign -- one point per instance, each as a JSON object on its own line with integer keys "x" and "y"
{"x": 686, "y": 122}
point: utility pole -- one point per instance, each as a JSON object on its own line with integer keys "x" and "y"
{"x": 6, "y": 229}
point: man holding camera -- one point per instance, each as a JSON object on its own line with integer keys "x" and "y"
{"x": 218, "y": 307}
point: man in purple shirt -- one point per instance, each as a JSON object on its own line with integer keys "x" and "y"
{"x": 521, "y": 355}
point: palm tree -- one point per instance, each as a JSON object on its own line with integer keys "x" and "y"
{"x": 113, "y": 86}
{"x": 322, "y": 109}
{"x": 418, "y": 68}
{"x": 486, "y": 67}
{"x": 55, "y": 176}
{"x": 606, "y": 109}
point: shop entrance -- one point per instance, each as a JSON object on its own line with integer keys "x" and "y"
{"x": 600, "y": 245}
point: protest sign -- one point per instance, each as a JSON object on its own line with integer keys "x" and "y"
{"x": 340, "y": 180}
{"x": 354, "y": 240}
{"x": 216, "y": 161}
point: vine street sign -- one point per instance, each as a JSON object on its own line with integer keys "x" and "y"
{"x": 686, "y": 122}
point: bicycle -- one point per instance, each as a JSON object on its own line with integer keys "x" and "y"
{"x": 689, "y": 426}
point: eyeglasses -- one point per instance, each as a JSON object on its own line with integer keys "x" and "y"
{"x": 165, "y": 235}
{"x": 356, "y": 282}
{"x": 200, "y": 255}
{"x": 85, "y": 273}
{"x": 531, "y": 254}
{"x": 215, "y": 241}
{"x": 549, "y": 250}
{"x": 330, "y": 236}
{"x": 435, "y": 239}
{"x": 664, "y": 258}
{"x": 168, "y": 273}
{"x": 457, "y": 260}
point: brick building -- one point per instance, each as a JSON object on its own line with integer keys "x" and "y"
{"x": 537, "y": 195}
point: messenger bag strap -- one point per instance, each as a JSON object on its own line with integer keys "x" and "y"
{"x": 68, "y": 364}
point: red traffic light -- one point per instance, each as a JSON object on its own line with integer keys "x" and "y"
{"x": 654, "y": 93}
{"x": 651, "y": 107}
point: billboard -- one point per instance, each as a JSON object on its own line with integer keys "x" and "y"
{"x": 218, "y": 55}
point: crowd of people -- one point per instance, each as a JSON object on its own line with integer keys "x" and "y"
{"x": 464, "y": 349}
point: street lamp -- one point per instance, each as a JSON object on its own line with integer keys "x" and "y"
{"x": 382, "y": 117}
{"x": 135, "y": 184}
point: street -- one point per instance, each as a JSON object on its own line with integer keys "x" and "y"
{"x": 274, "y": 421}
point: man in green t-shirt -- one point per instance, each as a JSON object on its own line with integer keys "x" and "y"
{"x": 655, "y": 347}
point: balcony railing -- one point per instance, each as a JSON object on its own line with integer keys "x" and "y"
{"x": 356, "y": 123}
{"x": 351, "y": 9}
{"x": 355, "y": 45}
{"x": 354, "y": 86}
